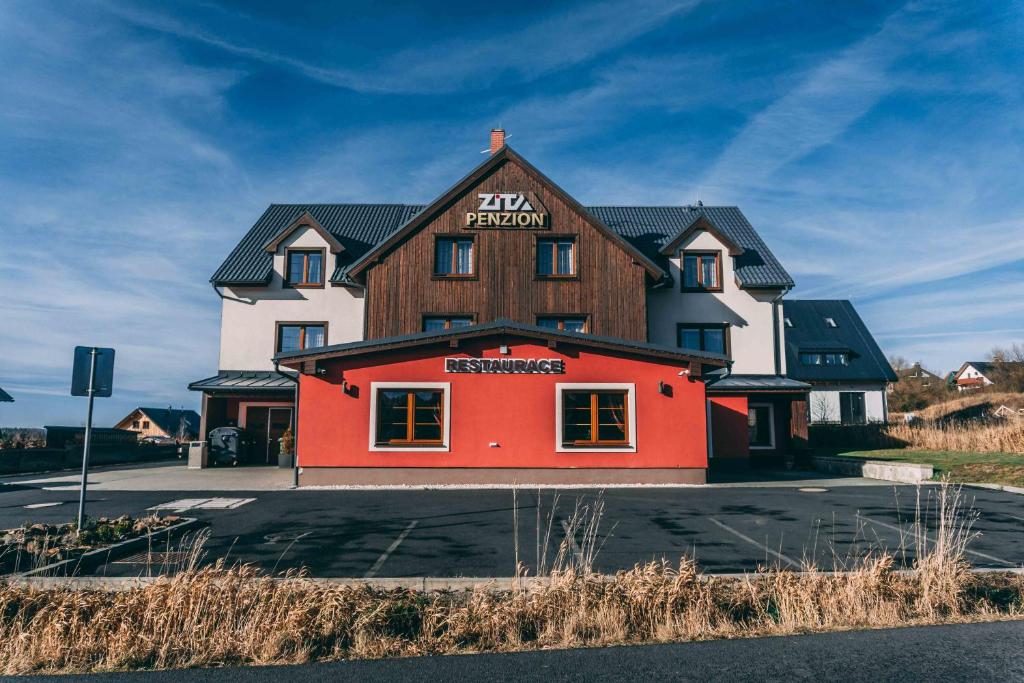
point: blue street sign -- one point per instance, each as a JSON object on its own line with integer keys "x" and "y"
{"x": 103, "y": 382}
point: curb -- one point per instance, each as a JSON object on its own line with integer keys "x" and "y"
{"x": 995, "y": 487}
{"x": 497, "y": 584}
{"x": 99, "y": 556}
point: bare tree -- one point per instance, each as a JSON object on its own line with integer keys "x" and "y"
{"x": 1007, "y": 370}
{"x": 821, "y": 409}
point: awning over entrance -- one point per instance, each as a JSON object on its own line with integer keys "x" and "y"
{"x": 245, "y": 381}
{"x": 755, "y": 383}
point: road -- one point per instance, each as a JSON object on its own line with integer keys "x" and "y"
{"x": 974, "y": 652}
{"x": 441, "y": 533}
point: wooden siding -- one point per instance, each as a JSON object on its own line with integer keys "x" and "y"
{"x": 610, "y": 288}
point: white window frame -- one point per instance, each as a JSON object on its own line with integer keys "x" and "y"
{"x": 630, "y": 390}
{"x": 771, "y": 426}
{"x": 446, "y": 427}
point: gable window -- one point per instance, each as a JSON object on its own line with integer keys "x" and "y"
{"x": 453, "y": 257}
{"x": 305, "y": 268}
{"x": 851, "y": 408}
{"x": 574, "y": 323}
{"x": 410, "y": 416}
{"x": 135, "y": 424}
{"x": 299, "y": 336}
{"x": 145, "y": 424}
{"x": 702, "y": 271}
{"x": 814, "y": 358}
{"x": 556, "y": 257}
{"x": 713, "y": 338}
{"x": 436, "y": 323}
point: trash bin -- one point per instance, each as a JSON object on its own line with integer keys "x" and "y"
{"x": 198, "y": 455}
{"x": 226, "y": 444}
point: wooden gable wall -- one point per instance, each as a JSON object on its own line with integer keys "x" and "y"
{"x": 610, "y": 288}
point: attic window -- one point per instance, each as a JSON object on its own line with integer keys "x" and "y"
{"x": 831, "y": 322}
{"x": 789, "y": 323}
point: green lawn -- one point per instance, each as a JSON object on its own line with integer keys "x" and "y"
{"x": 990, "y": 468}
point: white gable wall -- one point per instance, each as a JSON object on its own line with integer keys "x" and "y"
{"x": 248, "y": 329}
{"x": 824, "y": 402}
{"x": 748, "y": 312}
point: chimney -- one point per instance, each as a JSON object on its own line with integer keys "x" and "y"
{"x": 497, "y": 139}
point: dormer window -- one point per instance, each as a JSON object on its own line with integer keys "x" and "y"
{"x": 702, "y": 271}
{"x": 815, "y": 358}
{"x": 830, "y": 322}
{"x": 305, "y": 268}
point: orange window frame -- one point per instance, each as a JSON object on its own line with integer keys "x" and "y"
{"x": 306, "y": 282}
{"x": 701, "y": 256}
{"x": 595, "y": 419}
{"x": 410, "y": 421}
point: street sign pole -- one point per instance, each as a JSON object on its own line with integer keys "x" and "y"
{"x": 88, "y": 437}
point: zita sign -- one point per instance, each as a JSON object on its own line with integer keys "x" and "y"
{"x": 508, "y": 210}
{"x": 506, "y": 366}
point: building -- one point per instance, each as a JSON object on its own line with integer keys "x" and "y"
{"x": 976, "y": 374}
{"x": 829, "y": 347}
{"x": 918, "y": 377}
{"x": 505, "y": 333}
{"x": 168, "y": 423}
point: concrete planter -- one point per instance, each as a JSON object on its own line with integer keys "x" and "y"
{"x": 886, "y": 470}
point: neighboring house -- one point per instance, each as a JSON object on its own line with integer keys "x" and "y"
{"x": 171, "y": 423}
{"x": 975, "y": 374}
{"x": 917, "y": 376}
{"x": 829, "y": 347}
{"x": 505, "y": 333}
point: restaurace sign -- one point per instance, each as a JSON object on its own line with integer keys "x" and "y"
{"x": 505, "y": 366}
{"x": 508, "y": 210}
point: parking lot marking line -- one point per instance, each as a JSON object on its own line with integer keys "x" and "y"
{"x": 972, "y": 552}
{"x": 224, "y": 503}
{"x": 391, "y": 548}
{"x": 180, "y": 505}
{"x": 762, "y": 546}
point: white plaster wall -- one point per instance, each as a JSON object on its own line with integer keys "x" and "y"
{"x": 749, "y": 313}
{"x": 248, "y": 327}
{"x": 824, "y": 402}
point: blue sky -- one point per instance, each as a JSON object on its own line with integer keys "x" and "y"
{"x": 877, "y": 147}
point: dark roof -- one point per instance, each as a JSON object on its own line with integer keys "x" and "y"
{"x": 362, "y": 228}
{"x": 5, "y": 397}
{"x": 650, "y": 228}
{"x": 245, "y": 381}
{"x": 168, "y": 419}
{"x": 498, "y": 327}
{"x": 745, "y": 383}
{"x": 810, "y": 333}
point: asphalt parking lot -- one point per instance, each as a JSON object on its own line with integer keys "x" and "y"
{"x": 464, "y": 532}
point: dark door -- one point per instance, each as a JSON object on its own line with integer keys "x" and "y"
{"x": 280, "y": 419}
{"x": 257, "y": 420}
{"x": 851, "y": 408}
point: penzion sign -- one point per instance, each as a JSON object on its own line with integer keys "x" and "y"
{"x": 505, "y": 366}
{"x": 508, "y": 210}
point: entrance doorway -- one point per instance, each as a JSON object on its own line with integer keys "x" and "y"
{"x": 265, "y": 426}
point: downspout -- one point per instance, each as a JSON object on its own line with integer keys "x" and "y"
{"x": 776, "y": 340}
{"x": 295, "y": 424}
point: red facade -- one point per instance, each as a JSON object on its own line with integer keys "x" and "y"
{"x": 502, "y": 421}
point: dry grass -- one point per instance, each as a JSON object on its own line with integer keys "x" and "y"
{"x": 970, "y": 399}
{"x": 219, "y": 616}
{"x": 974, "y": 437}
